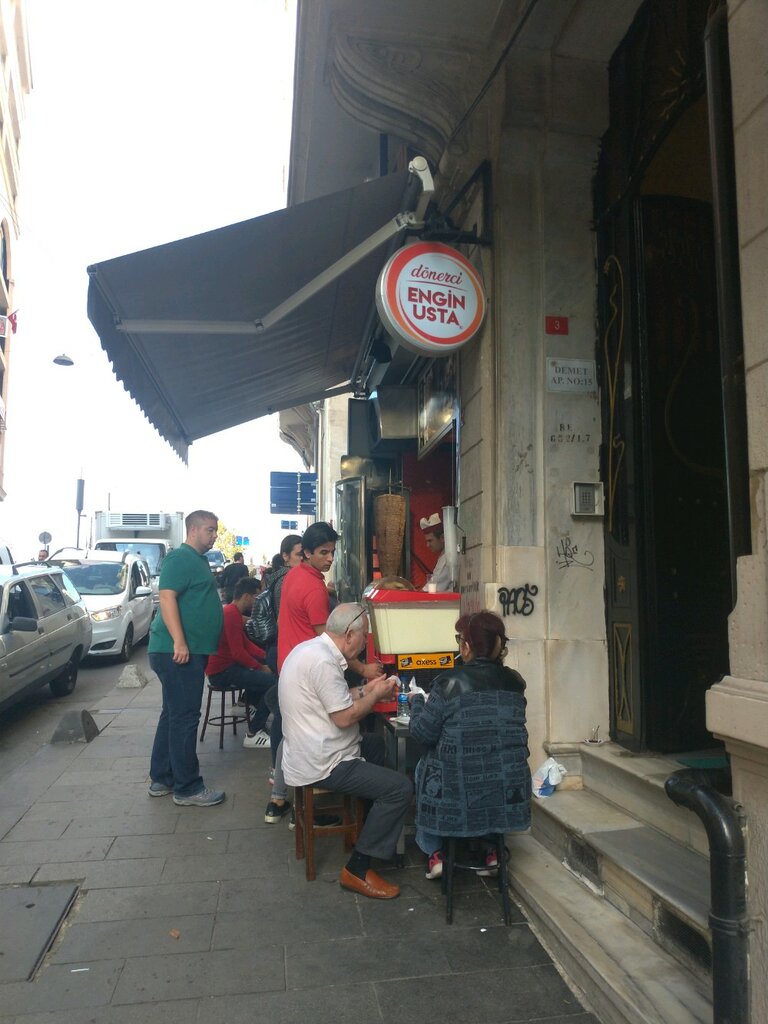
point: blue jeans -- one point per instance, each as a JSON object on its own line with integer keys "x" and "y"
{"x": 174, "y": 753}
{"x": 427, "y": 842}
{"x": 276, "y": 730}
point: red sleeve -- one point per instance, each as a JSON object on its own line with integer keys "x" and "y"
{"x": 241, "y": 650}
{"x": 316, "y": 605}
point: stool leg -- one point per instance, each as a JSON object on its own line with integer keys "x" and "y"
{"x": 298, "y": 812}
{"x": 207, "y": 714}
{"x": 221, "y": 721}
{"x": 234, "y": 715}
{"x": 448, "y": 865}
{"x": 309, "y": 832}
{"x": 502, "y": 855}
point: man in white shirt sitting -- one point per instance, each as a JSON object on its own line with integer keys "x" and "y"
{"x": 323, "y": 746}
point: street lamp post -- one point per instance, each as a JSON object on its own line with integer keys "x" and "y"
{"x": 79, "y": 506}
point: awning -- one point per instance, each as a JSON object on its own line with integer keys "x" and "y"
{"x": 187, "y": 325}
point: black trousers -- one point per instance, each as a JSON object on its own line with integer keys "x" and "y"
{"x": 389, "y": 791}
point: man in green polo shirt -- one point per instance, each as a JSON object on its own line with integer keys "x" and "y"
{"x": 182, "y": 636}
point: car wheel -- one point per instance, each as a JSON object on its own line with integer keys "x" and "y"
{"x": 125, "y": 651}
{"x": 64, "y": 683}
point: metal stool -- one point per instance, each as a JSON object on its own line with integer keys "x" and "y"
{"x": 351, "y": 809}
{"x": 223, "y": 719}
{"x": 449, "y": 863}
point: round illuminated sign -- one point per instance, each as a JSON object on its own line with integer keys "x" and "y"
{"x": 430, "y": 298}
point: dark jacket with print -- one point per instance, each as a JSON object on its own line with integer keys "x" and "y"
{"x": 475, "y": 778}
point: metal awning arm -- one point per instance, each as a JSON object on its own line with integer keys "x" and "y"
{"x": 400, "y": 222}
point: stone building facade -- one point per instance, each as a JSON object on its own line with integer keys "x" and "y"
{"x": 608, "y": 166}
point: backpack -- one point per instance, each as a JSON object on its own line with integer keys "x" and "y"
{"x": 261, "y": 628}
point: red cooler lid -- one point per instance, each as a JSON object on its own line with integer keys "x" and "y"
{"x": 377, "y": 595}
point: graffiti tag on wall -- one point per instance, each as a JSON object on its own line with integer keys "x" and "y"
{"x": 568, "y": 554}
{"x": 517, "y": 600}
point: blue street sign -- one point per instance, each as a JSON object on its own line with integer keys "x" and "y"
{"x": 289, "y": 524}
{"x": 246, "y": 541}
{"x": 238, "y": 541}
{"x": 293, "y": 493}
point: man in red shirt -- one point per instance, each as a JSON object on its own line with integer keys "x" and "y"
{"x": 304, "y": 601}
{"x": 239, "y": 662}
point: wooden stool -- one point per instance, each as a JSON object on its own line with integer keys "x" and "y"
{"x": 449, "y": 863}
{"x": 351, "y": 809}
{"x": 234, "y": 716}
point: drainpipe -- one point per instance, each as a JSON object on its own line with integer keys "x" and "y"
{"x": 724, "y": 821}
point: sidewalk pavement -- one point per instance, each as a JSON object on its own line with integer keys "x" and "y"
{"x": 203, "y": 915}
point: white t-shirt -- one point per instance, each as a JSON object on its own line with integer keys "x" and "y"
{"x": 441, "y": 575}
{"x": 311, "y": 688}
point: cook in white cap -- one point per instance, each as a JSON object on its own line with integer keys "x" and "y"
{"x": 432, "y": 528}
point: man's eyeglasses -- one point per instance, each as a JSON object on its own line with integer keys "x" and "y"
{"x": 358, "y": 616}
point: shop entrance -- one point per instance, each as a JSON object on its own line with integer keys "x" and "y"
{"x": 668, "y": 550}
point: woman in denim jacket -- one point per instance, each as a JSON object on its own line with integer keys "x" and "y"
{"x": 474, "y": 779}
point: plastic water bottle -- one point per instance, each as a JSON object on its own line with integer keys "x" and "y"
{"x": 403, "y": 704}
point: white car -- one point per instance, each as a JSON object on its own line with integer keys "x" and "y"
{"x": 45, "y": 631}
{"x": 116, "y": 591}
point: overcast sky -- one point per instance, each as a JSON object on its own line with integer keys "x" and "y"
{"x": 149, "y": 120}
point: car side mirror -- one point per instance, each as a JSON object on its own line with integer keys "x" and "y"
{"x": 143, "y": 591}
{"x": 22, "y": 624}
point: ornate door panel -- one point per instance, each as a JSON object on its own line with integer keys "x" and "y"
{"x": 619, "y": 472}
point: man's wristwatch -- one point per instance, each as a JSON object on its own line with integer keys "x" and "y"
{"x": 361, "y": 691}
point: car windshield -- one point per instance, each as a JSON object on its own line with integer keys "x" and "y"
{"x": 215, "y": 558}
{"x": 99, "y": 577}
{"x": 153, "y": 553}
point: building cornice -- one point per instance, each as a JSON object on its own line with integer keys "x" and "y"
{"x": 400, "y": 85}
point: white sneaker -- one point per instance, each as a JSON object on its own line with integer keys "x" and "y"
{"x": 259, "y": 739}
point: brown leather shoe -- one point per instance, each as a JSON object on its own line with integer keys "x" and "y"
{"x": 372, "y": 885}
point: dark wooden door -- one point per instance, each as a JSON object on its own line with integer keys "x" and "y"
{"x": 668, "y": 537}
{"x": 683, "y": 547}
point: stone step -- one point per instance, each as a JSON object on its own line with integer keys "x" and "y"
{"x": 660, "y": 885}
{"x": 623, "y": 974}
{"x": 634, "y": 783}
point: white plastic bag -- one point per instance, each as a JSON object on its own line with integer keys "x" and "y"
{"x": 546, "y": 777}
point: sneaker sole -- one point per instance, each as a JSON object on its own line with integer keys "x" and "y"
{"x": 165, "y": 792}
{"x": 181, "y": 802}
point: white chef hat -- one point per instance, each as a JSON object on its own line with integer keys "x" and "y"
{"x": 427, "y": 525}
